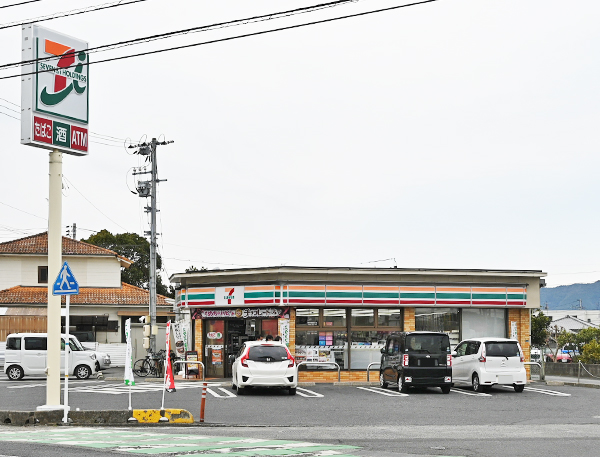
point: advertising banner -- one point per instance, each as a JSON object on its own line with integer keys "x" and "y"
{"x": 54, "y": 91}
{"x": 181, "y": 332}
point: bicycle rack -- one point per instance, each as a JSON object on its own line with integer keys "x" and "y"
{"x": 193, "y": 362}
{"x": 324, "y": 363}
{"x": 369, "y": 369}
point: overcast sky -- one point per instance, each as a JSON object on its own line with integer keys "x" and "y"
{"x": 454, "y": 134}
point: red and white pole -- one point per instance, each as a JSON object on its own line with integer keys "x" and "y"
{"x": 203, "y": 402}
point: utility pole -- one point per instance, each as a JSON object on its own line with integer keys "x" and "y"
{"x": 148, "y": 189}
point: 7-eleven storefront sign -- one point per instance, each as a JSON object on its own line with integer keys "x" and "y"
{"x": 54, "y": 91}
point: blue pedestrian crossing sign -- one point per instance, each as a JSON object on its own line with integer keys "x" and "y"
{"x": 65, "y": 283}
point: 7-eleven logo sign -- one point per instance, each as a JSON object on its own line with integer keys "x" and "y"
{"x": 66, "y": 78}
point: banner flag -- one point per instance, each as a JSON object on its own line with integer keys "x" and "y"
{"x": 129, "y": 379}
{"x": 169, "y": 380}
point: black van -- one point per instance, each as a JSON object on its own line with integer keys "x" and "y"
{"x": 419, "y": 359}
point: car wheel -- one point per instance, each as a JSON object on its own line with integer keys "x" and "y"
{"x": 292, "y": 391}
{"x": 445, "y": 389}
{"x": 477, "y": 387}
{"x": 97, "y": 366}
{"x": 402, "y": 387}
{"x": 519, "y": 387}
{"x": 15, "y": 373}
{"x": 383, "y": 384}
{"x": 241, "y": 390}
{"x": 82, "y": 372}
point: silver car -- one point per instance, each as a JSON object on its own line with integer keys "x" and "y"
{"x": 485, "y": 362}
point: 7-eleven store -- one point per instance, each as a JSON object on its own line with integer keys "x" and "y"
{"x": 343, "y": 315}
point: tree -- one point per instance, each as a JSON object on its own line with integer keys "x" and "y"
{"x": 137, "y": 249}
{"x": 539, "y": 329}
{"x": 591, "y": 352}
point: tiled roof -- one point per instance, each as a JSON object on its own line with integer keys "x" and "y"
{"x": 572, "y": 323}
{"x": 38, "y": 244}
{"x": 124, "y": 295}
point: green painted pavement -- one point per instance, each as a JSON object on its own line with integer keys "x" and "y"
{"x": 159, "y": 443}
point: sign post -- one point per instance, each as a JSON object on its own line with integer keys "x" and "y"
{"x": 54, "y": 116}
{"x": 66, "y": 284}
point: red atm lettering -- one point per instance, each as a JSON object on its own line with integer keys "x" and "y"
{"x": 79, "y": 138}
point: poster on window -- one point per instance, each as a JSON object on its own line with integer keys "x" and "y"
{"x": 284, "y": 330}
{"x": 181, "y": 332}
{"x": 217, "y": 356}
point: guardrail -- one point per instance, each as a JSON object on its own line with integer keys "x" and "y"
{"x": 324, "y": 363}
{"x": 542, "y": 374}
{"x": 193, "y": 362}
{"x": 369, "y": 369}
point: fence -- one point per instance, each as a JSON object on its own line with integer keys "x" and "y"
{"x": 23, "y": 324}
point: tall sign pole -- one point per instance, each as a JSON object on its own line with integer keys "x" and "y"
{"x": 54, "y": 116}
{"x": 153, "y": 327}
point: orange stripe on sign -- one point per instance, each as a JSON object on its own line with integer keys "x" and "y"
{"x": 344, "y": 287}
{"x": 381, "y": 288}
{"x": 520, "y": 290}
{"x": 57, "y": 49}
{"x": 197, "y": 290}
{"x": 254, "y": 288}
{"x": 454, "y": 289}
{"x": 319, "y": 288}
{"x": 416, "y": 289}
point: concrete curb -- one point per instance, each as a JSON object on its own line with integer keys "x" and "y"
{"x": 108, "y": 417}
{"x": 572, "y": 384}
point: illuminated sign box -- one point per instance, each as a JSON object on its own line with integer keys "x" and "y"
{"x": 54, "y": 91}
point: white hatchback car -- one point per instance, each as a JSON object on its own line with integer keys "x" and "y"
{"x": 264, "y": 364}
{"x": 485, "y": 362}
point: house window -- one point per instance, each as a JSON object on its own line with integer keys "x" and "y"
{"x": 43, "y": 275}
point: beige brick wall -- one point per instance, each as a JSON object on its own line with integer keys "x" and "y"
{"x": 198, "y": 339}
{"x": 409, "y": 319}
{"x": 292, "y": 344}
{"x": 522, "y": 318}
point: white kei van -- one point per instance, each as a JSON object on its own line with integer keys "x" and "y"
{"x": 26, "y": 355}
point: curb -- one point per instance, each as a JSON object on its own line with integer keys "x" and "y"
{"x": 108, "y": 417}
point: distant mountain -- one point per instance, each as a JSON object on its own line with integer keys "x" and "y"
{"x": 567, "y": 297}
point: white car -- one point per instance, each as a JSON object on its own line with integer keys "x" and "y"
{"x": 264, "y": 364}
{"x": 485, "y": 362}
{"x": 102, "y": 360}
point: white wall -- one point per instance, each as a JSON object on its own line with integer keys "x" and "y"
{"x": 22, "y": 270}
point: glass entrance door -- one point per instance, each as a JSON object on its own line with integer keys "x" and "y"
{"x": 214, "y": 342}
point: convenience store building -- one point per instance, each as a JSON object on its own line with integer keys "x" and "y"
{"x": 343, "y": 315}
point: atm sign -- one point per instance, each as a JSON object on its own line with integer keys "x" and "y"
{"x": 60, "y": 134}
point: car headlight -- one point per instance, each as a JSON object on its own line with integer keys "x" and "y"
{"x": 93, "y": 356}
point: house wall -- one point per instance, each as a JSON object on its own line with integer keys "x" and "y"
{"x": 22, "y": 270}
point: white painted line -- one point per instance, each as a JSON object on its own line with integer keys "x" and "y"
{"x": 216, "y": 395}
{"x": 380, "y": 391}
{"x": 542, "y": 391}
{"x": 308, "y": 393}
{"x": 466, "y": 392}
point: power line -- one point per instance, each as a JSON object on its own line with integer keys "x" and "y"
{"x": 88, "y": 9}
{"x": 264, "y": 32}
{"x": 17, "y": 4}
{"x": 202, "y": 28}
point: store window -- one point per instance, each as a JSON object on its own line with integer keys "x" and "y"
{"x": 322, "y": 335}
{"x": 439, "y": 320}
{"x": 479, "y": 322}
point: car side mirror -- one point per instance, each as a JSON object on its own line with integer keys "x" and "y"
{"x": 454, "y": 354}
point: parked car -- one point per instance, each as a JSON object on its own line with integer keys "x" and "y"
{"x": 560, "y": 357}
{"x": 26, "y": 355}
{"x": 102, "y": 360}
{"x": 264, "y": 364}
{"x": 485, "y": 362}
{"x": 420, "y": 359}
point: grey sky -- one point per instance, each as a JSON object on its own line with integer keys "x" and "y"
{"x": 456, "y": 134}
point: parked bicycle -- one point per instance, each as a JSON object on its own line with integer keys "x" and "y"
{"x": 152, "y": 364}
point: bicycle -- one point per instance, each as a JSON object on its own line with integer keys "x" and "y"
{"x": 152, "y": 364}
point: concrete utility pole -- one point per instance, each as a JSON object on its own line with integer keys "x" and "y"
{"x": 148, "y": 189}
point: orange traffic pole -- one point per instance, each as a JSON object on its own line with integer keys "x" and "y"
{"x": 203, "y": 402}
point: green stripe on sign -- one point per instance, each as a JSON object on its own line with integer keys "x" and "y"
{"x": 417, "y": 295}
{"x": 453, "y": 296}
{"x": 201, "y": 297}
{"x": 344, "y": 294}
{"x": 258, "y": 294}
{"x": 382, "y": 295}
{"x": 489, "y": 296}
{"x": 516, "y": 296}
{"x": 307, "y": 294}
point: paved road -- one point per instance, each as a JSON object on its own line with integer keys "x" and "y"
{"x": 543, "y": 420}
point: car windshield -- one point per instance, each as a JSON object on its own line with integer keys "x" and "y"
{"x": 75, "y": 345}
{"x": 267, "y": 353}
{"x": 502, "y": 349}
{"x": 429, "y": 344}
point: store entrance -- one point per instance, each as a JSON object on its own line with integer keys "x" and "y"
{"x": 223, "y": 339}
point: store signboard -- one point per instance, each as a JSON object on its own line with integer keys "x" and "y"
{"x": 242, "y": 313}
{"x": 54, "y": 91}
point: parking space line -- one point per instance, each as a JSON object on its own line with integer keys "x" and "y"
{"x": 475, "y": 394}
{"x": 543, "y": 391}
{"x": 308, "y": 393}
{"x": 227, "y": 393}
{"x": 380, "y": 391}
